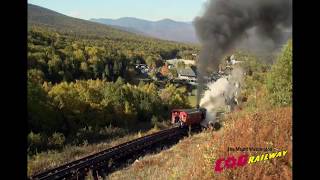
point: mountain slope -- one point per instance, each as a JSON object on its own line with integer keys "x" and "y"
{"x": 39, "y": 16}
{"x": 164, "y": 29}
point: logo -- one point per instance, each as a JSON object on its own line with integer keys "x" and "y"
{"x": 232, "y": 162}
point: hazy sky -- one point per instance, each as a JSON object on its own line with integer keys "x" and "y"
{"x": 180, "y": 10}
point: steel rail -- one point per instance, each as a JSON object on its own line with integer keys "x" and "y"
{"x": 97, "y": 160}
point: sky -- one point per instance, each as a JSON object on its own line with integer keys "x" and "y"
{"x": 179, "y": 10}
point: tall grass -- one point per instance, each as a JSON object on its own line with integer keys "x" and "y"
{"x": 194, "y": 157}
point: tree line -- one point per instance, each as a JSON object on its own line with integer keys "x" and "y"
{"x": 67, "y": 107}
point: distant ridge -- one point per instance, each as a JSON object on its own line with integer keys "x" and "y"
{"x": 164, "y": 29}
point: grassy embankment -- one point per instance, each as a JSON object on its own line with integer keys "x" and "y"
{"x": 194, "y": 157}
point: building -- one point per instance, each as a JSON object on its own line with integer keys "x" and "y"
{"x": 187, "y": 74}
{"x": 185, "y": 61}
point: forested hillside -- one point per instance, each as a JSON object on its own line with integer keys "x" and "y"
{"x": 47, "y": 18}
{"x": 67, "y": 57}
{"x": 79, "y": 77}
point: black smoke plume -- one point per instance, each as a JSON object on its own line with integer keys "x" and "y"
{"x": 227, "y": 24}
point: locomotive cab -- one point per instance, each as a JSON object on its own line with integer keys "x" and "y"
{"x": 175, "y": 117}
{"x": 188, "y": 117}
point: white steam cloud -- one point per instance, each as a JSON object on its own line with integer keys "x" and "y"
{"x": 222, "y": 95}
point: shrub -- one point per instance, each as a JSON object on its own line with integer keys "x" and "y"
{"x": 92, "y": 135}
{"x": 154, "y": 121}
{"x": 279, "y": 81}
{"x": 36, "y": 142}
{"x": 56, "y": 140}
{"x": 251, "y": 64}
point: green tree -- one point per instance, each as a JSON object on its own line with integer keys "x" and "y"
{"x": 98, "y": 68}
{"x": 116, "y": 69}
{"x": 35, "y": 76}
{"x": 279, "y": 81}
{"x": 173, "y": 73}
{"x": 174, "y": 97}
{"x": 67, "y": 100}
{"x": 41, "y": 115}
{"x": 79, "y": 55}
{"x": 151, "y": 62}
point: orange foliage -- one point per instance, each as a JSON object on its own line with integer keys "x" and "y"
{"x": 165, "y": 70}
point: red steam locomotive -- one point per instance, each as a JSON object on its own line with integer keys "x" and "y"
{"x": 188, "y": 117}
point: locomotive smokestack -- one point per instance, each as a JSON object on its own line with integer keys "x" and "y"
{"x": 198, "y": 106}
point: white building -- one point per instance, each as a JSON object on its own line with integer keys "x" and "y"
{"x": 187, "y": 74}
{"x": 185, "y": 61}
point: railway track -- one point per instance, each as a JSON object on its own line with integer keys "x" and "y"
{"x": 100, "y": 163}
